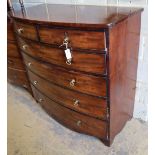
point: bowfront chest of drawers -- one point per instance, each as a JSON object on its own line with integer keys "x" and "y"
{"x": 82, "y": 64}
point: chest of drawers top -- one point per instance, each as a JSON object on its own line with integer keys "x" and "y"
{"x": 83, "y": 16}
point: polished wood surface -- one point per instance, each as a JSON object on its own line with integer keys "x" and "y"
{"x": 98, "y": 87}
{"x": 123, "y": 37}
{"x": 71, "y": 119}
{"x": 76, "y": 15}
{"x": 86, "y": 62}
{"x": 85, "y": 83}
{"x": 90, "y": 105}
{"x": 15, "y": 63}
{"x": 12, "y": 49}
{"x": 77, "y": 39}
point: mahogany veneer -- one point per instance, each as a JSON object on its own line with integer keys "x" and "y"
{"x": 82, "y": 63}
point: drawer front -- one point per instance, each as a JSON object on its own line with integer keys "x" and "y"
{"x": 86, "y": 62}
{"x": 71, "y": 119}
{"x": 15, "y": 63}
{"x": 88, "y": 84}
{"x": 76, "y": 39}
{"x": 25, "y": 30}
{"x": 90, "y": 105}
{"x": 18, "y": 77}
{"x": 12, "y": 49}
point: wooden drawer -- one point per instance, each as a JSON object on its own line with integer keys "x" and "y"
{"x": 17, "y": 77}
{"x": 86, "y": 62}
{"x": 71, "y": 119}
{"x": 87, "y": 104}
{"x": 88, "y": 84}
{"x": 12, "y": 49}
{"x": 15, "y": 63}
{"x": 77, "y": 39}
{"x": 25, "y": 30}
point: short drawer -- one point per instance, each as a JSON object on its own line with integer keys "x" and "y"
{"x": 77, "y": 39}
{"x": 71, "y": 119}
{"x": 80, "y": 102}
{"x": 15, "y": 63}
{"x": 12, "y": 49}
{"x": 17, "y": 77}
{"x": 25, "y": 30}
{"x": 85, "y": 83}
{"x": 81, "y": 61}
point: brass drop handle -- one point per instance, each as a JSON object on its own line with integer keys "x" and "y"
{"x": 20, "y": 30}
{"x": 29, "y": 64}
{"x": 72, "y": 83}
{"x": 65, "y": 41}
{"x": 25, "y": 47}
{"x": 40, "y": 100}
{"x": 76, "y": 102}
{"x": 78, "y": 123}
{"x": 35, "y": 82}
{"x": 66, "y": 38}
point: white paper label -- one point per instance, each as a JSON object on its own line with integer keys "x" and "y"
{"x": 68, "y": 53}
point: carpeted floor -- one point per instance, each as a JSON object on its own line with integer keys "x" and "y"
{"x": 32, "y": 132}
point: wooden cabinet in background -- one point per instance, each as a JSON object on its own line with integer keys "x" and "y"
{"x": 16, "y": 72}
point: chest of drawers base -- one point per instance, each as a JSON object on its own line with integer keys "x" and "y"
{"x": 83, "y": 74}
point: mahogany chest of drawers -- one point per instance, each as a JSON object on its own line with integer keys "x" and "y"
{"x": 81, "y": 62}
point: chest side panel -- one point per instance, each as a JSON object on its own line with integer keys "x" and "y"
{"x": 123, "y": 59}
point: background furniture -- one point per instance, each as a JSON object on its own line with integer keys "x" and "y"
{"x": 15, "y": 69}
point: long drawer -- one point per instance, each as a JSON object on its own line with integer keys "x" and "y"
{"x": 15, "y": 63}
{"x": 18, "y": 77}
{"x": 88, "y": 84}
{"x": 80, "y": 102}
{"x": 71, "y": 119}
{"x": 81, "y": 61}
{"x": 12, "y": 49}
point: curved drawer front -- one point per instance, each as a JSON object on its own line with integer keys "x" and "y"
{"x": 12, "y": 49}
{"x": 18, "y": 77}
{"x": 87, "y": 62}
{"x": 82, "y": 82}
{"x": 71, "y": 119}
{"x": 25, "y": 30}
{"x": 15, "y": 63}
{"x": 90, "y": 105}
{"x": 76, "y": 38}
